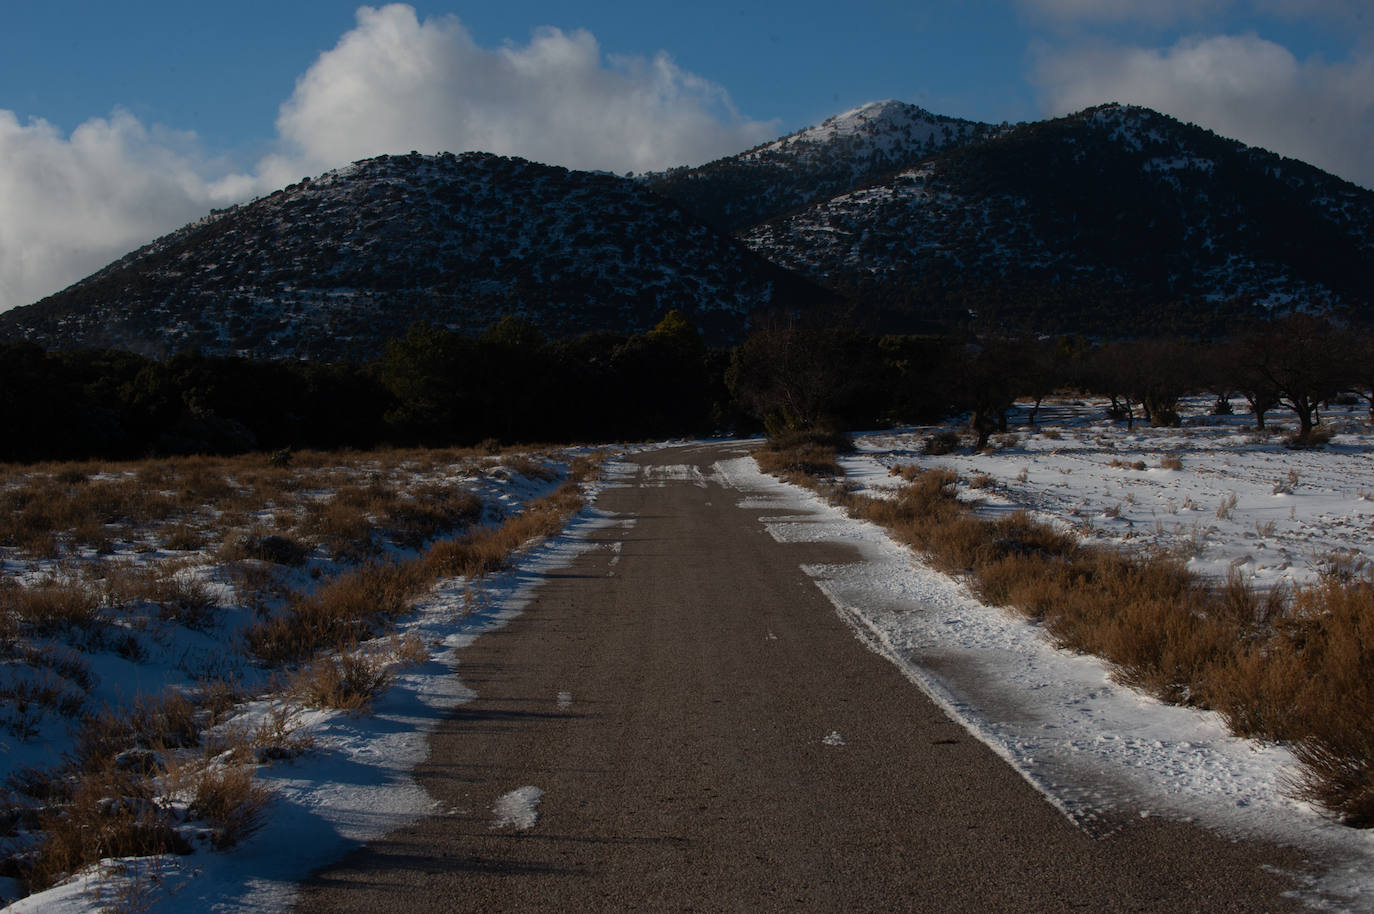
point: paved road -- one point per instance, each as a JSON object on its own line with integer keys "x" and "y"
{"x": 708, "y": 735}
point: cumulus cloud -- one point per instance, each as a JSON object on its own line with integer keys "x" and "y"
{"x": 1241, "y": 86}
{"x": 71, "y": 204}
{"x": 395, "y": 83}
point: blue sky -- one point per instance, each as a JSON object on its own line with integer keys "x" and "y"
{"x": 121, "y": 121}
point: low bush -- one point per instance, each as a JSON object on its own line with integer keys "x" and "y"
{"x": 347, "y": 681}
{"x": 347, "y": 609}
{"x": 110, "y": 813}
{"x": 230, "y": 801}
{"x": 941, "y": 443}
{"x": 1317, "y": 436}
{"x": 46, "y": 609}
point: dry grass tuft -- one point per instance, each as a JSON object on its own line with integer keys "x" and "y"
{"x": 50, "y": 608}
{"x": 110, "y": 813}
{"x": 230, "y": 801}
{"x": 347, "y": 681}
{"x": 345, "y": 610}
{"x": 490, "y": 549}
{"x": 796, "y": 463}
{"x": 529, "y": 467}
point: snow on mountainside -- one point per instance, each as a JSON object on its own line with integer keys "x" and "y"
{"x": 888, "y": 129}
{"x": 334, "y": 266}
{"x": 1116, "y": 220}
{"x": 1114, "y": 200}
{"x": 845, "y": 152}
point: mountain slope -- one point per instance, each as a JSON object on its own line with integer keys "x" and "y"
{"x": 845, "y": 152}
{"x": 1047, "y": 221}
{"x": 334, "y": 266}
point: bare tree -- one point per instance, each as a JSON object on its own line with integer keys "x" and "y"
{"x": 1298, "y": 357}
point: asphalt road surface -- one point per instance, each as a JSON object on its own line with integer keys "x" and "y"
{"x": 680, "y": 721}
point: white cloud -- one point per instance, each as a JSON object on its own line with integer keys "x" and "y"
{"x": 395, "y": 83}
{"x": 1240, "y": 86}
{"x": 71, "y": 204}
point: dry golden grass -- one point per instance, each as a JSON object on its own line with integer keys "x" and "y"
{"x": 356, "y": 606}
{"x": 529, "y": 467}
{"x": 344, "y": 610}
{"x": 797, "y": 463}
{"x": 431, "y": 510}
{"x": 491, "y": 549}
{"x": 45, "y": 609}
{"x": 110, "y": 813}
{"x": 229, "y": 800}
{"x": 348, "y": 680}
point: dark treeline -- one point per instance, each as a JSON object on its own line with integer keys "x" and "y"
{"x": 439, "y": 388}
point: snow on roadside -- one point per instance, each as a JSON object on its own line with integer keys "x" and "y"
{"x": 355, "y": 783}
{"x": 1096, "y": 750}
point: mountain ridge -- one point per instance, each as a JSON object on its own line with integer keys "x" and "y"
{"x": 1112, "y": 220}
{"x": 1114, "y": 197}
{"x": 841, "y": 153}
{"x": 331, "y": 266}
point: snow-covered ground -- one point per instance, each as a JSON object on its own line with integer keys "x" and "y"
{"x": 1236, "y": 499}
{"x": 1097, "y": 750}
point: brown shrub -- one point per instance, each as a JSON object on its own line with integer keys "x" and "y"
{"x": 908, "y": 471}
{"x": 528, "y": 467}
{"x": 168, "y": 721}
{"x": 53, "y": 607}
{"x": 585, "y": 467}
{"x": 347, "y": 681}
{"x": 341, "y": 526}
{"x": 1337, "y": 775}
{"x": 797, "y": 463}
{"x": 941, "y": 443}
{"x": 230, "y": 801}
{"x": 434, "y": 509}
{"x": 182, "y": 538}
{"x": 345, "y": 610}
{"x": 110, "y": 813}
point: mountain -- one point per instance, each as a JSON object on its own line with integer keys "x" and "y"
{"x": 332, "y": 267}
{"x": 1115, "y": 219}
{"x": 845, "y": 152}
